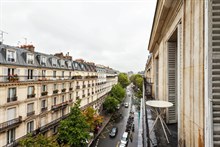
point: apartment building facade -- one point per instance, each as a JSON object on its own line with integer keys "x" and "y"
{"x": 39, "y": 89}
{"x": 184, "y": 67}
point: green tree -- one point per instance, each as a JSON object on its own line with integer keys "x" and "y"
{"x": 74, "y": 130}
{"x": 123, "y": 79}
{"x": 38, "y": 141}
{"x": 110, "y": 104}
{"x": 118, "y": 92}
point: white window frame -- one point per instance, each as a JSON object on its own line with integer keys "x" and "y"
{"x": 30, "y": 57}
{"x": 43, "y": 60}
{"x": 30, "y": 126}
{"x": 54, "y": 62}
{"x": 13, "y": 55}
{"x": 69, "y": 64}
{"x": 61, "y": 63}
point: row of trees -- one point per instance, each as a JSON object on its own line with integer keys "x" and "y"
{"x": 137, "y": 80}
{"x": 117, "y": 93}
{"x": 73, "y": 131}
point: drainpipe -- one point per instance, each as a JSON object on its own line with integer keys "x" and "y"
{"x": 207, "y": 102}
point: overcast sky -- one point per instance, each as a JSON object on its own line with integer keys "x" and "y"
{"x": 114, "y": 33}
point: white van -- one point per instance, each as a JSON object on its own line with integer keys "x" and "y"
{"x": 124, "y": 140}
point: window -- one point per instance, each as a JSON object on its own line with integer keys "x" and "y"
{"x": 43, "y": 121}
{"x": 30, "y": 126}
{"x": 63, "y": 86}
{"x": 55, "y": 129}
{"x": 62, "y": 63}
{"x": 54, "y": 86}
{"x": 70, "y": 96}
{"x": 11, "y": 56}
{"x": 30, "y": 90}
{"x": 69, "y": 74}
{"x": 43, "y": 104}
{"x": 54, "y": 62}
{"x": 11, "y": 93}
{"x": 30, "y": 108}
{"x": 30, "y": 74}
{"x": 43, "y": 61}
{"x": 44, "y": 88}
{"x": 54, "y": 74}
{"x": 43, "y": 73}
{"x": 62, "y": 74}
{"x": 10, "y": 136}
{"x": 63, "y": 98}
{"x": 54, "y": 101}
{"x": 30, "y": 58}
{"x": 76, "y": 65}
{"x": 11, "y": 113}
{"x": 69, "y": 64}
{"x": 11, "y": 71}
{"x": 70, "y": 85}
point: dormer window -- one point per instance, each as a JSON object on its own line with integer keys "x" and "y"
{"x": 43, "y": 61}
{"x": 30, "y": 58}
{"x": 82, "y": 66}
{"x": 69, "y": 64}
{"x": 76, "y": 65}
{"x": 62, "y": 63}
{"x": 11, "y": 55}
{"x": 54, "y": 62}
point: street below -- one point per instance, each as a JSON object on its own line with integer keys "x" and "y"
{"x": 105, "y": 141}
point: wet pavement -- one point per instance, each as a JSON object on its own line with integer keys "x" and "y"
{"x": 105, "y": 141}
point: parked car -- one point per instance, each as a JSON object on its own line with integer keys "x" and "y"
{"x": 126, "y": 104}
{"x": 113, "y": 132}
{"x": 124, "y": 140}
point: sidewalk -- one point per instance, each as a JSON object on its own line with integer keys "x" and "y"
{"x": 106, "y": 119}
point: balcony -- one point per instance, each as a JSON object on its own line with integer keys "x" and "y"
{"x": 77, "y": 77}
{"x": 77, "y": 87}
{"x": 58, "y": 106}
{"x": 11, "y": 59}
{"x": 11, "y": 123}
{"x": 83, "y": 95}
{"x": 55, "y": 91}
{"x": 63, "y": 90}
{"x": 12, "y": 99}
{"x": 30, "y": 113}
{"x": 13, "y": 78}
{"x": 84, "y": 86}
{"x": 30, "y": 61}
{"x": 70, "y": 100}
{"x": 31, "y": 96}
{"x": 70, "y": 89}
{"x": 44, "y": 93}
{"x": 43, "y": 109}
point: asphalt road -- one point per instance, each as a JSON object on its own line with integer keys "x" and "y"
{"x": 105, "y": 141}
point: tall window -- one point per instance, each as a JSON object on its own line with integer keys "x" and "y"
{"x": 54, "y": 62}
{"x": 43, "y": 121}
{"x": 54, "y": 86}
{"x": 30, "y": 58}
{"x": 70, "y": 85}
{"x": 62, "y": 63}
{"x": 43, "y": 73}
{"x": 43, "y": 104}
{"x": 30, "y": 74}
{"x": 30, "y": 108}
{"x": 10, "y": 136}
{"x": 62, "y": 74}
{"x": 11, "y": 113}
{"x": 11, "y": 71}
{"x": 11, "y": 56}
{"x": 70, "y": 74}
{"x": 43, "y": 61}
{"x": 44, "y": 88}
{"x": 30, "y": 90}
{"x": 11, "y": 93}
{"x": 30, "y": 126}
{"x": 54, "y": 74}
{"x": 54, "y": 101}
{"x": 63, "y": 86}
{"x": 63, "y": 98}
{"x": 69, "y": 64}
{"x": 70, "y": 96}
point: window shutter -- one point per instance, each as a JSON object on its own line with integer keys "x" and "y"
{"x": 4, "y": 74}
{"x": 172, "y": 82}
{"x": 214, "y": 55}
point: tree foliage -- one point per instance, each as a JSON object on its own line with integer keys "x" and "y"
{"x": 74, "y": 130}
{"x": 92, "y": 118}
{"x": 123, "y": 79}
{"x": 110, "y": 104}
{"x": 118, "y": 92}
{"x": 137, "y": 80}
{"x": 38, "y": 141}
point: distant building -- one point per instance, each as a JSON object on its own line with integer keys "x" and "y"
{"x": 37, "y": 90}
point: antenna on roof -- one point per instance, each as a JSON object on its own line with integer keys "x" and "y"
{"x": 2, "y": 36}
